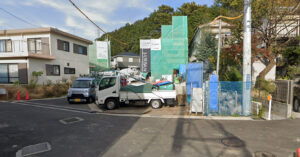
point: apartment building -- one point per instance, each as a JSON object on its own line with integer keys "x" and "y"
{"x": 60, "y": 55}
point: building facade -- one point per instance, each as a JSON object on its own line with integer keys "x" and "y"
{"x": 125, "y": 60}
{"x": 59, "y": 55}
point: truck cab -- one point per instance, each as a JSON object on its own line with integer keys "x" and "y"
{"x": 108, "y": 91}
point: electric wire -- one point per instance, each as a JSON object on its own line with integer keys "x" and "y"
{"x": 95, "y": 23}
{"x": 19, "y": 18}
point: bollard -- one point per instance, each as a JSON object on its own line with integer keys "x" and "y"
{"x": 270, "y": 106}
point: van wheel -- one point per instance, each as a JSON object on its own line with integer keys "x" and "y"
{"x": 111, "y": 104}
{"x": 89, "y": 100}
{"x": 155, "y": 104}
{"x": 296, "y": 105}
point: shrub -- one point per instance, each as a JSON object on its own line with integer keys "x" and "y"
{"x": 265, "y": 85}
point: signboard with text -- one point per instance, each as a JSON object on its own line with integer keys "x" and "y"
{"x": 102, "y": 50}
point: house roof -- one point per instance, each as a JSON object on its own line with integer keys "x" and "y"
{"x": 127, "y": 54}
{"x": 42, "y": 31}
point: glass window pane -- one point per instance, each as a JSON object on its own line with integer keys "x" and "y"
{"x": 56, "y": 70}
{"x": 13, "y": 70}
{"x": 3, "y": 73}
{"x": 2, "y": 46}
{"x": 104, "y": 83}
{"x": 38, "y": 45}
{"x": 112, "y": 82}
{"x": 31, "y": 45}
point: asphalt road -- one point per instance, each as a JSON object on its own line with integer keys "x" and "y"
{"x": 105, "y": 135}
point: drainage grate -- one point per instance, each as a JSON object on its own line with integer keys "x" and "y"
{"x": 264, "y": 154}
{"x": 233, "y": 142}
{"x": 71, "y": 120}
{"x": 34, "y": 149}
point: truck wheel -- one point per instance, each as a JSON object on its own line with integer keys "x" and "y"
{"x": 155, "y": 104}
{"x": 111, "y": 104}
{"x": 296, "y": 105}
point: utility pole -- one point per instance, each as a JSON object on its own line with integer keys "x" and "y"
{"x": 219, "y": 45}
{"x": 247, "y": 58}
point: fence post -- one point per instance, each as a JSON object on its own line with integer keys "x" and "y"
{"x": 235, "y": 98}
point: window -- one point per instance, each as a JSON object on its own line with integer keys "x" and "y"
{"x": 120, "y": 59}
{"x": 69, "y": 70}
{"x": 5, "y": 46}
{"x": 9, "y": 73}
{"x": 79, "y": 49}
{"x": 107, "y": 83}
{"x": 130, "y": 59}
{"x": 52, "y": 70}
{"x": 63, "y": 45}
{"x": 81, "y": 84}
{"x": 35, "y": 45}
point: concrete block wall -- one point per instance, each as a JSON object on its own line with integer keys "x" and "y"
{"x": 279, "y": 110}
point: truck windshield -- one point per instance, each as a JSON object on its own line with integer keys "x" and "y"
{"x": 81, "y": 84}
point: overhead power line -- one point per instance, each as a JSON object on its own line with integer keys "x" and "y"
{"x": 19, "y": 18}
{"x": 95, "y": 23}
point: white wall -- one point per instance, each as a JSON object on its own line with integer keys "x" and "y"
{"x": 258, "y": 66}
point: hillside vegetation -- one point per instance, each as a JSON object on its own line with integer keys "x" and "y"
{"x": 150, "y": 27}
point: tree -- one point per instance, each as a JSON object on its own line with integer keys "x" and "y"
{"x": 207, "y": 49}
{"x": 273, "y": 22}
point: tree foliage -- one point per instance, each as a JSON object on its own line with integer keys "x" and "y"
{"x": 273, "y": 22}
{"x": 150, "y": 27}
{"x": 207, "y": 47}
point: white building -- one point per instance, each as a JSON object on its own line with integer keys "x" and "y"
{"x": 58, "y": 54}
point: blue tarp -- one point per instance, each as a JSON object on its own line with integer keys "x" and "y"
{"x": 194, "y": 76}
{"x": 213, "y": 93}
{"x": 182, "y": 69}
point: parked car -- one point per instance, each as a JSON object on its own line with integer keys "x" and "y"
{"x": 82, "y": 90}
{"x": 296, "y": 104}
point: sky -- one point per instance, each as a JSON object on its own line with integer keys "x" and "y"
{"x": 108, "y": 14}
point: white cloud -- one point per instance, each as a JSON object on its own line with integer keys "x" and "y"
{"x": 104, "y": 13}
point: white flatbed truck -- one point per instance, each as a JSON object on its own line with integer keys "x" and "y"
{"x": 111, "y": 94}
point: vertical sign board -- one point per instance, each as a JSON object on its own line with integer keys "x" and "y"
{"x": 145, "y": 58}
{"x": 102, "y": 51}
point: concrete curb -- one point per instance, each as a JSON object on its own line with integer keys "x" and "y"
{"x": 182, "y": 117}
